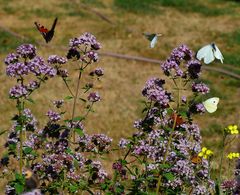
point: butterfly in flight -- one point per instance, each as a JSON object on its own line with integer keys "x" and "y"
{"x": 209, "y": 52}
{"x": 152, "y": 38}
{"x": 47, "y": 34}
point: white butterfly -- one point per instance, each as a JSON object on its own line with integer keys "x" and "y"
{"x": 152, "y": 38}
{"x": 211, "y": 104}
{"x": 209, "y": 52}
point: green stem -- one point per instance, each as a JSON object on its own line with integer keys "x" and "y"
{"x": 75, "y": 100}
{"x": 64, "y": 80}
{"x": 221, "y": 160}
{"x": 166, "y": 154}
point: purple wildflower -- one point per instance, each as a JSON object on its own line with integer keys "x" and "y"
{"x": 92, "y": 55}
{"x": 184, "y": 99}
{"x": 54, "y": 59}
{"x": 76, "y": 125}
{"x": 32, "y": 85}
{"x": 58, "y": 103}
{"x": 98, "y": 72}
{"x": 11, "y": 58}
{"x": 62, "y": 73}
{"x": 53, "y": 116}
{"x": 194, "y": 69}
{"x": 38, "y": 67}
{"x": 181, "y": 53}
{"x": 26, "y": 51}
{"x": 93, "y": 97}
{"x": 200, "y": 88}
{"x": 228, "y": 186}
{"x": 199, "y": 190}
{"x": 200, "y": 108}
{"x": 18, "y": 91}
{"x": 123, "y": 143}
{"x": 17, "y": 69}
{"x": 154, "y": 91}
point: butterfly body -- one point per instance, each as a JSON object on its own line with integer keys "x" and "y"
{"x": 47, "y": 34}
{"x": 211, "y": 104}
{"x": 209, "y": 52}
{"x": 152, "y": 37}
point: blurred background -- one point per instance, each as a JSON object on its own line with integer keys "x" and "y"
{"x": 118, "y": 25}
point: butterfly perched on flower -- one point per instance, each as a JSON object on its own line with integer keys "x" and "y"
{"x": 209, "y": 52}
{"x": 177, "y": 119}
{"x": 211, "y": 104}
{"x": 152, "y": 38}
{"x": 196, "y": 159}
{"x": 47, "y": 34}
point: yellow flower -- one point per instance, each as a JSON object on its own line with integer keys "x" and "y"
{"x": 200, "y": 154}
{"x": 209, "y": 152}
{"x": 205, "y": 153}
{"x": 204, "y": 149}
{"x": 232, "y": 155}
{"x": 232, "y": 129}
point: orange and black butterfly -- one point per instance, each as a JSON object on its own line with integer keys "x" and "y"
{"x": 177, "y": 118}
{"x": 196, "y": 159}
{"x": 47, "y": 34}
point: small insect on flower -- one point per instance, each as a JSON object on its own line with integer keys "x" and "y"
{"x": 211, "y": 104}
{"x": 31, "y": 181}
{"x": 47, "y": 34}
{"x": 152, "y": 37}
{"x": 209, "y": 52}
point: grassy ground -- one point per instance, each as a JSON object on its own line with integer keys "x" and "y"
{"x": 194, "y": 24}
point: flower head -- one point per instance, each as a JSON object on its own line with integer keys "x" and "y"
{"x": 233, "y": 155}
{"x": 27, "y": 51}
{"x": 205, "y": 153}
{"x": 93, "y": 97}
{"x": 232, "y": 129}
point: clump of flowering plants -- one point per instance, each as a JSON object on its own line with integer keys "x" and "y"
{"x": 164, "y": 155}
{"x": 58, "y": 154}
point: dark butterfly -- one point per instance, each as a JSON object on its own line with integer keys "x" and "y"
{"x": 47, "y": 34}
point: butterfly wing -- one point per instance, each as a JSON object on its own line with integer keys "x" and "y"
{"x": 211, "y": 104}
{"x": 196, "y": 159}
{"x": 153, "y": 42}
{"x": 41, "y": 29}
{"x": 50, "y": 33}
{"x": 218, "y": 54}
{"x": 149, "y": 36}
{"x": 206, "y": 53}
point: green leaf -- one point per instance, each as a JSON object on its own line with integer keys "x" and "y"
{"x": 68, "y": 98}
{"x": 18, "y": 128}
{"x": 78, "y": 118}
{"x": 27, "y": 150}
{"x": 19, "y": 188}
{"x": 30, "y": 100}
{"x": 79, "y": 131}
{"x": 73, "y": 188}
{"x": 164, "y": 166}
{"x": 169, "y": 176}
